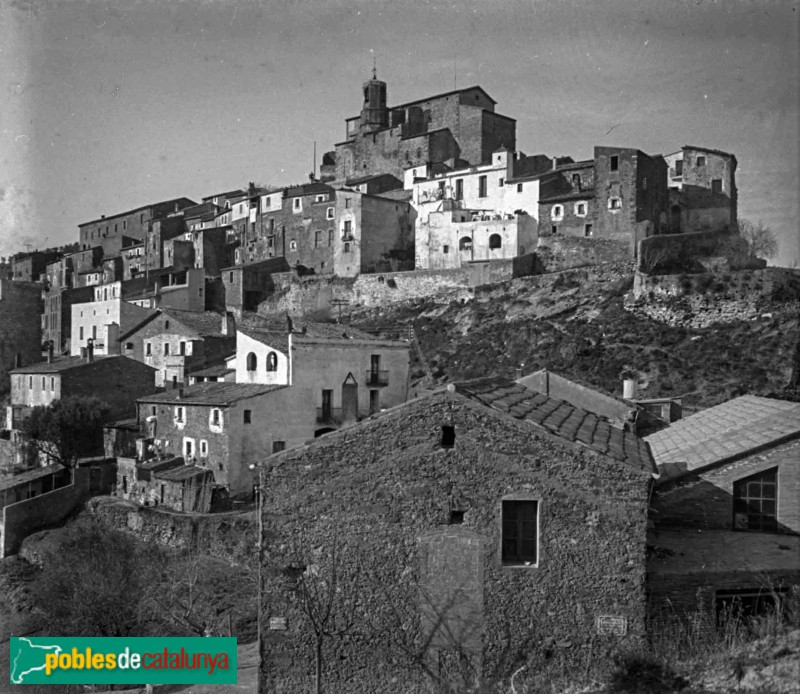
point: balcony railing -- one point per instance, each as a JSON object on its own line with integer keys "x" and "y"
{"x": 377, "y": 378}
{"x": 329, "y": 415}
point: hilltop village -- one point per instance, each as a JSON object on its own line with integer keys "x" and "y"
{"x": 470, "y": 517}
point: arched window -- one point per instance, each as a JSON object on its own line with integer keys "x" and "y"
{"x": 465, "y": 243}
{"x": 495, "y": 241}
{"x": 272, "y": 362}
{"x": 252, "y": 362}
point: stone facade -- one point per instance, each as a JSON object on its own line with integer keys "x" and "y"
{"x": 246, "y": 286}
{"x": 134, "y": 224}
{"x": 29, "y": 267}
{"x": 703, "y": 192}
{"x": 415, "y": 529}
{"x": 456, "y": 126}
{"x": 21, "y": 332}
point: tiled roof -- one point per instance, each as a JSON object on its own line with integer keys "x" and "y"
{"x": 29, "y": 476}
{"x": 184, "y": 472}
{"x": 136, "y": 209}
{"x": 274, "y": 333}
{"x": 238, "y": 191}
{"x": 560, "y": 418}
{"x": 211, "y": 393}
{"x": 585, "y": 194}
{"x": 61, "y": 365}
{"x": 710, "y": 151}
{"x": 309, "y": 189}
{"x": 202, "y": 322}
{"x": 574, "y": 165}
{"x": 734, "y": 428}
{"x": 398, "y": 194}
{"x": 216, "y": 370}
{"x": 274, "y": 338}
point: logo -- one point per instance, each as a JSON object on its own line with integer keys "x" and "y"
{"x": 135, "y": 660}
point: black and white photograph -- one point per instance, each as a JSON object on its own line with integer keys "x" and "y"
{"x": 398, "y": 347}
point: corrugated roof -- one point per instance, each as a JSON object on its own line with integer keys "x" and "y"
{"x": 222, "y": 394}
{"x": 29, "y": 476}
{"x": 560, "y": 418}
{"x": 714, "y": 435}
{"x": 183, "y": 473}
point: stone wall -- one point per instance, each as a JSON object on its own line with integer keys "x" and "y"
{"x": 302, "y": 295}
{"x": 558, "y": 253}
{"x": 230, "y": 536}
{"x": 416, "y": 529}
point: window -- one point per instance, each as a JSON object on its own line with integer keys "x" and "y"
{"x": 166, "y": 349}
{"x": 614, "y": 204}
{"x": 465, "y": 243}
{"x": 374, "y": 401}
{"x": 129, "y": 346}
{"x": 293, "y": 245}
{"x": 203, "y": 448}
{"x": 252, "y": 362}
{"x": 614, "y": 163}
{"x": 754, "y": 502}
{"x": 347, "y": 202}
{"x": 482, "y": 186}
{"x": 272, "y": 361}
{"x": 330, "y": 237}
{"x": 495, "y": 241}
{"x": 347, "y": 232}
{"x": 153, "y": 410}
{"x": 30, "y": 382}
{"x": 296, "y": 203}
{"x": 716, "y": 185}
{"x": 679, "y": 167}
{"x": 148, "y": 349}
{"x": 248, "y": 416}
{"x": 329, "y": 213}
{"x": 519, "y": 187}
{"x": 587, "y": 230}
{"x": 576, "y": 180}
{"x": 278, "y": 446}
{"x": 459, "y": 188}
{"x": 81, "y": 334}
{"x": 52, "y": 383}
{"x": 445, "y": 249}
{"x": 554, "y": 229}
{"x": 178, "y": 414}
{"x": 448, "y": 436}
{"x": 44, "y": 381}
{"x": 644, "y": 183}
{"x": 188, "y": 447}
{"x": 520, "y": 532}
{"x": 701, "y": 161}
{"x": 557, "y": 213}
{"x": 317, "y": 238}
{"x": 230, "y": 277}
{"x": 580, "y": 209}
{"x": 215, "y": 419}
{"x": 346, "y": 247}
{"x": 321, "y": 198}
{"x": 501, "y": 182}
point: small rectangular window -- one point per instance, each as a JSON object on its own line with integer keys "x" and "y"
{"x": 248, "y": 416}
{"x": 554, "y": 229}
{"x": 182, "y": 348}
{"x": 148, "y": 348}
{"x": 520, "y": 532}
{"x": 215, "y": 417}
{"x": 614, "y": 163}
{"x": 716, "y": 185}
{"x": 445, "y": 249}
{"x": 701, "y": 161}
{"x": 501, "y": 182}
{"x": 179, "y": 414}
{"x": 587, "y": 230}
{"x": 679, "y": 167}
{"x": 519, "y": 187}
{"x": 166, "y": 349}
{"x": 278, "y": 446}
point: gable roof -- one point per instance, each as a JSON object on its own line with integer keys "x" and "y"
{"x": 723, "y": 433}
{"x": 201, "y": 323}
{"x": 60, "y": 365}
{"x": 560, "y": 418}
{"x": 11, "y": 481}
{"x": 223, "y": 394}
{"x": 273, "y": 338}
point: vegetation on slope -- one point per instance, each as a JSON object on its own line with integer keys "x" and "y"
{"x": 580, "y": 329}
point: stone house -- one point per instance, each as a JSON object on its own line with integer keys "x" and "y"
{"x": 726, "y": 509}
{"x": 175, "y": 343}
{"x": 247, "y": 285}
{"x": 453, "y": 127}
{"x": 29, "y": 267}
{"x": 337, "y": 374}
{"x": 702, "y": 190}
{"x": 222, "y": 427}
{"x": 116, "y": 380}
{"x": 473, "y": 533}
{"x": 21, "y": 331}
{"x": 165, "y": 482}
{"x": 134, "y": 224}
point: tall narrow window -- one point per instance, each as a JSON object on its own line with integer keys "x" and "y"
{"x": 252, "y": 362}
{"x": 247, "y": 416}
{"x": 272, "y": 361}
{"x": 520, "y": 532}
{"x": 448, "y": 436}
{"x": 482, "y": 187}
{"x": 166, "y": 349}
{"x": 459, "y": 188}
{"x": 614, "y": 166}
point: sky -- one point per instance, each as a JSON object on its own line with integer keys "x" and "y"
{"x": 111, "y": 105}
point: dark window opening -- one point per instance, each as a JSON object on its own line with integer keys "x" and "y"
{"x": 278, "y": 446}
{"x": 587, "y": 230}
{"x": 248, "y": 416}
{"x": 482, "y": 187}
{"x": 272, "y": 362}
{"x": 520, "y": 531}
{"x": 456, "y": 517}
{"x": 448, "y": 436}
{"x": 495, "y": 241}
{"x": 614, "y": 163}
{"x": 252, "y": 362}
{"x": 701, "y": 161}
{"x": 554, "y": 229}
{"x": 679, "y": 167}
{"x": 716, "y": 185}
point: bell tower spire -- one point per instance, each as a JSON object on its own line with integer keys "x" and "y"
{"x": 374, "y": 114}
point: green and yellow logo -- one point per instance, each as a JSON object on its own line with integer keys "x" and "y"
{"x": 135, "y": 660}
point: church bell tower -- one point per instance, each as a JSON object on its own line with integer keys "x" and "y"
{"x": 374, "y": 114}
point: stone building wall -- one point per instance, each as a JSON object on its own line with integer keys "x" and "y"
{"x": 20, "y": 327}
{"x": 557, "y": 253}
{"x": 384, "y": 493}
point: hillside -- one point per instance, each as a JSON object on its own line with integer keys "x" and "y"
{"x": 577, "y": 326}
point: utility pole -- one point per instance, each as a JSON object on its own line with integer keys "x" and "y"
{"x": 260, "y": 553}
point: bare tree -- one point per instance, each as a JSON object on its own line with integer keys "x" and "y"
{"x": 654, "y": 255}
{"x": 761, "y": 240}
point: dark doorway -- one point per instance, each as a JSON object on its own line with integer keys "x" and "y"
{"x": 350, "y": 399}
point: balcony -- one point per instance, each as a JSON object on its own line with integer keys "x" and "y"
{"x": 377, "y": 378}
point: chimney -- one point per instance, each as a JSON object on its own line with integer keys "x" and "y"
{"x": 228, "y": 324}
{"x": 49, "y": 351}
{"x": 17, "y": 360}
{"x": 89, "y": 350}
{"x": 629, "y": 388}
{"x": 518, "y": 372}
{"x": 555, "y": 163}
{"x": 180, "y": 393}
